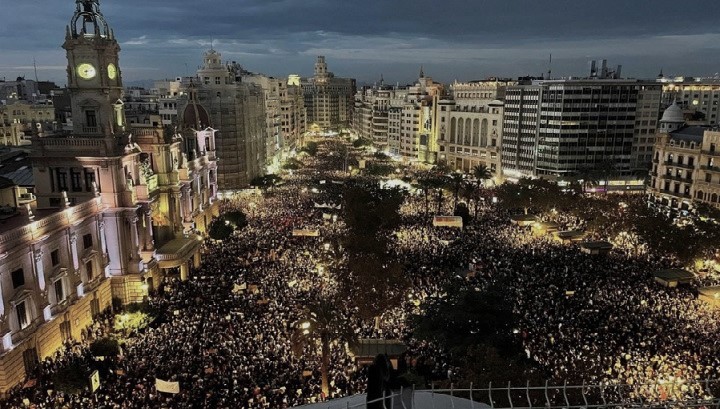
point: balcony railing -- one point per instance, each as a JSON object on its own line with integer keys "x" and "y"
{"x": 649, "y": 395}
{"x": 711, "y": 153}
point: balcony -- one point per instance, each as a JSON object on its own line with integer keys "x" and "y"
{"x": 710, "y": 153}
{"x": 710, "y": 168}
{"x": 90, "y": 130}
{"x": 144, "y": 192}
{"x": 677, "y": 178}
{"x": 679, "y": 165}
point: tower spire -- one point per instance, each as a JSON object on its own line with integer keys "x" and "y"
{"x": 88, "y": 20}
{"x": 422, "y": 73}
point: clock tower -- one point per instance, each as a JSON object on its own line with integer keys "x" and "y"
{"x": 94, "y": 77}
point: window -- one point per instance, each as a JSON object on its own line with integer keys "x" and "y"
{"x": 61, "y": 180}
{"x": 89, "y": 179}
{"x": 87, "y": 241}
{"x": 55, "y": 257}
{"x": 22, "y": 315}
{"x": 89, "y": 270}
{"x": 18, "y": 278}
{"x": 90, "y": 118}
{"x": 75, "y": 180}
{"x": 708, "y": 177}
{"x": 59, "y": 291}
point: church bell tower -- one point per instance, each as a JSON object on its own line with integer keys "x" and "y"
{"x": 94, "y": 77}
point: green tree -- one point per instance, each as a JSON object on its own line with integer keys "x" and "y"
{"x": 220, "y": 229}
{"x": 481, "y": 173}
{"x": 310, "y": 148}
{"x": 455, "y": 182}
{"x": 108, "y": 347}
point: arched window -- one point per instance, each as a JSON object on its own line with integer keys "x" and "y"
{"x": 453, "y": 129}
{"x": 468, "y": 129}
{"x": 714, "y": 198}
{"x": 700, "y": 195}
{"x": 484, "y": 132}
{"x": 476, "y": 133}
{"x": 461, "y": 126}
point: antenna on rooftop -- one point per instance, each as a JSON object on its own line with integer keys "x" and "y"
{"x": 35, "y": 67}
{"x": 549, "y": 73}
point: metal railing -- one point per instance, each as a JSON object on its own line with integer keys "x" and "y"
{"x": 586, "y": 396}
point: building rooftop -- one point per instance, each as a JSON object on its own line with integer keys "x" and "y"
{"x": 16, "y": 165}
{"x": 690, "y": 134}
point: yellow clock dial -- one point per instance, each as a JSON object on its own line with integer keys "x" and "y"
{"x": 86, "y": 71}
{"x": 112, "y": 71}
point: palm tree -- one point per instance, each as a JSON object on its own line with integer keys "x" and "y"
{"x": 324, "y": 323}
{"x": 588, "y": 175}
{"x": 474, "y": 193}
{"x": 482, "y": 173}
{"x": 455, "y": 181}
{"x": 426, "y": 185}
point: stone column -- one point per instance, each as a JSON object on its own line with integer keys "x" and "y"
{"x": 134, "y": 235}
{"x": 39, "y": 271}
{"x": 103, "y": 240}
{"x": 184, "y": 271}
{"x": 73, "y": 249}
{"x": 196, "y": 259}
{"x": 149, "y": 242}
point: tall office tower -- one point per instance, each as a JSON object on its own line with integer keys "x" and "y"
{"x": 118, "y": 206}
{"x": 237, "y": 111}
{"x": 329, "y": 100}
{"x": 558, "y": 128}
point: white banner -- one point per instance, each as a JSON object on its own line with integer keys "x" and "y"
{"x": 94, "y": 381}
{"x": 167, "y": 387}
{"x": 238, "y": 288}
{"x": 306, "y": 232}
{"x": 448, "y": 221}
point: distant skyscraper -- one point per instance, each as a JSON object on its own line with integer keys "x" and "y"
{"x": 329, "y": 100}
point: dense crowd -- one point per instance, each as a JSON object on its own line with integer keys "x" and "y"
{"x": 227, "y": 332}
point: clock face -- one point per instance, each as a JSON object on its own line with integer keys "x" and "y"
{"x": 86, "y": 71}
{"x": 112, "y": 71}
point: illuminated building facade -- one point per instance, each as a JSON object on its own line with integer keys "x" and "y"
{"x": 556, "y": 128}
{"x": 701, "y": 95}
{"x": 329, "y": 100}
{"x": 118, "y": 207}
{"x": 237, "y": 111}
{"x": 470, "y": 129}
{"x": 686, "y": 163}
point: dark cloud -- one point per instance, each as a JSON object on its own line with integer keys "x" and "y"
{"x": 454, "y": 39}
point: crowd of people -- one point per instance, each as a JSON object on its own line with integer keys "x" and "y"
{"x": 227, "y": 333}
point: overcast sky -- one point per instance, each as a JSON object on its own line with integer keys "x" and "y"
{"x": 452, "y": 39}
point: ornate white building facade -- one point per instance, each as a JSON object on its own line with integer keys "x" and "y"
{"x": 118, "y": 207}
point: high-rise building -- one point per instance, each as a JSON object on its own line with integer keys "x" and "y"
{"x": 118, "y": 208}
{"x": 371, "y": 113}
{"x": 556, "y": 128}
{"x": 285, "y": 115}
{"x": 237, "y": 111}
{"x": 329, "y": 100}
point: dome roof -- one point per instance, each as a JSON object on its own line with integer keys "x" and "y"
{"x": 195, "y": 116}
{"x": 673, "y": 114}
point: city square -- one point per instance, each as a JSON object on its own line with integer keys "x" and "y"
{"x": 232, "y": 239}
